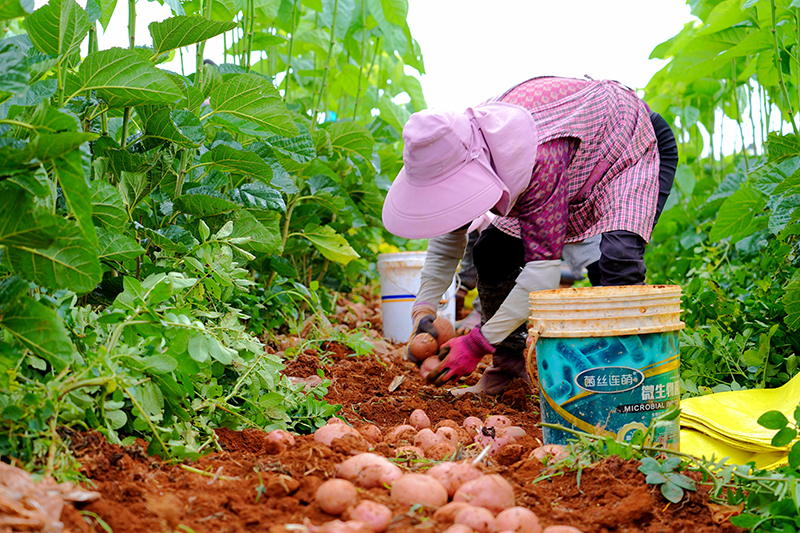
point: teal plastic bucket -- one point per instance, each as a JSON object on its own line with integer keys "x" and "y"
{"x": 607, "y": 360}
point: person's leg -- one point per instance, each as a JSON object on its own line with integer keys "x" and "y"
{"x": 622, "y": 252}
{"x": 499, "y": 259}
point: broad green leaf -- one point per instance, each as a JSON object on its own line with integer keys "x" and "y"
{"x": 395, "y": 11}
{"x": 133, "y": 188}
{"x": 299, "y": 148}
{"x": 736, "y": 214}
{"x": 782, "y": 145}
{"x": 791, "y": 304}
{"x": 773, "y": 420}
{"x": 180, "y": 31}
{"x": 784, "y": 212}
{"x": 113, "y": 246}
{"x": 39, "y": 329}
{"x": 44, "y": 118}
{"x": 69, "y": 263}
{"x": 330, "y": 244}
{"x": 11, "y": 9}
{"x": 253, "y": 98}
{"x": 227, "y": 159}
{"x": 14, "y": 75}
{"x": 672, "y": 492}
{"x": 684, "y": 177}
{"x": 177, "y": 126}
{"x": 71, "y": 175}
{"x": 54, "y": 145}
{"x": 203, "y": 205}
{"x": 258, "y": 195}
{"x": 783, "y": 437}
{"x": 106, "y": 10}
{"x": 107, "y": 205}
{"x": 12, "y": 289}
{"x": 22, "y": 223}
{"x": 122, "y": 78}
{"x": 351, "y": 137}
{"x": 392, "y": 113}
{"x": 263, "y": 239}
{"x": 58, "y": 27}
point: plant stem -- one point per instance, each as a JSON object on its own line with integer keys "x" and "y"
{"x": 363, "y": 54}
{"x": 778, "y": 66}
{"x": 201, "y": 46}
{"x": 251, "y": 25}
{"x": 326, "y": 68}
{"x": 284, "y": 233}
{"x": 147, "y": 421}
{"x": 194, "y": 470}
{"x": 126, "y": 114}
{"x": 289, "y": 55}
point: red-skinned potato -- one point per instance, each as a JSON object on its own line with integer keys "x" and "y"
{"x": 409, "y": 451}
{"x": 368, "y": 470}
{"x": 335, "y": 420}
{"x": 445, "y": 330}
{"x": 458, "y": 528}
{"x": 280, "y": 440}
{"x": 447, "y": 513}
{"x": 327, "y": 433}
{"x": 374, "y": 514}
{"x": 453, "y": 475}
{"x": 423, "y": 346}
{"x": 371, "y": 432}
{"x": 399, "y": 433}
{"x": 448, "y": 435}
{"x": 446, "y": 423}
{"x": 428, "y": 366}
{"x": 441, "y": 451}
{"x": 550, "y": 453}
{"x": 419, "y": 419}
{"x": 561, "y": 529}
{"x": 473, "y": 425}
{"x": 336, "y": 495}
{"x": 497, "y": 421}
{"x": 479, "y": 519}
{"x": 426, "y": 438}
{"x": 518, "y": 520}
{"x": 411, "y": 489}
{"x": 489, "y": 491}
{"x": 512, "y": 431}
{"x": 337, "y": 526}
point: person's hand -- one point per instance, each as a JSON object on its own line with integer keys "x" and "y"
{"x": 460, "y": 356}
{"x": 422, "y": 316}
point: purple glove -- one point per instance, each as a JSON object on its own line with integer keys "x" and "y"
{"x": 460, "y": 356}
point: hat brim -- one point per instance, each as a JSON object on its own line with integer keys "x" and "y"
{"x": 415, "y": 212}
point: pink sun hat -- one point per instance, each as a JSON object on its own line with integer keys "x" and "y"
{"x": 458, "y": 166}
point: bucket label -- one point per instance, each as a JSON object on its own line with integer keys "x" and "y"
{"x": 610, "y": 386}
{"x": 609, "y": 379}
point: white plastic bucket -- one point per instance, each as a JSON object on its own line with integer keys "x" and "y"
{"x": 400, "y": 278}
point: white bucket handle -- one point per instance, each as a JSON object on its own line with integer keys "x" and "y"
{"x": 535, "y": 330}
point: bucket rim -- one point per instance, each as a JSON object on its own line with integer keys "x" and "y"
{"x": 402, "y": 255}
{"x": 592, "y": 293}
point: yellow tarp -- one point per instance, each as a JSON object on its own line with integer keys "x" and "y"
{"x": 725, "y": 424}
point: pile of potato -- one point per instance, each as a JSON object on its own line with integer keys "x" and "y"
{"x": 459, "y": 493}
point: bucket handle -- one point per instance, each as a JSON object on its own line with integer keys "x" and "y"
{"x": 535, "y": 329}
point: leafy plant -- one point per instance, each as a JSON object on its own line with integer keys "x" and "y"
{"x": 671, "y": 483}
{"x": 787, "y": 433}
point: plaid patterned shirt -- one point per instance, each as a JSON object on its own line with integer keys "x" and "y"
{"x": 611, "y": 180}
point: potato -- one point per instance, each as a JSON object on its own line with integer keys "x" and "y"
{"x": 411, "y": 489}
{"x": 453, "y": 475}
{"x": 368, "y": 470}
{"x": 428, "y": 365}
{"x": 445, "y": 330}
{"x": 335, "y": 420}
{"x": 371, "y": 432}
{"x": 512, "y": 431}
{"x": 479, "y": 519}
{"x": 489, "y": 491}
{"x": 519, "y": 520}
{"x": 497, "y": 421}
{"x": 279, "y": 440}
{"x": 337, "y": 526}
{"x": 426, "y": 438}
{"x": 419, "y": 419}
{"x": 448, "y": 435}
{"x": 550, "y": 453}
{"x": 374, "y": 514}
{"x": 440, "y": 451}
{"x": 409, "y": 451}
{"x": 446, "y": 423}
{"x": 423, "y": 346}
{"x": 561, "y": 529}
{"x": 326, "y": 434}
{"x": 399, "y": 433}
{"x": 336, "y": 495}
{"x": 473, "y": 425}
{"x": 500, "y": 443}
{"x": 458, "y": 528}
{"x": 447, "y": 513}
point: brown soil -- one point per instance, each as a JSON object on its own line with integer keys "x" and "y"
{"x": 250, "y": 487}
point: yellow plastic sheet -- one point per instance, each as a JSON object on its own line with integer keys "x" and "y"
{"x": 725, "y": 424}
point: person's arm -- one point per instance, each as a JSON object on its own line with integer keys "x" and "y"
{"x": 441, "y": 263}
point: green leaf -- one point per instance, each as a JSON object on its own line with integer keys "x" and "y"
{"x": 71, "y": 175}
{"x": 22, "y": 223}
{"x": 39, "y": 329}
{"x": 258, "y": 195}
{"x": 113, "y": 246}
{"x": 45, "y": 118}
{"x": 11, "y": 9}
{"x": 203, "y": 205}
{"x": 299, "y": 148}
{"x": 794, "y": 455}
{"x": 106, "y": 10}
{"x": 351, "y": 137}
{"x": 672, "y": 492}
{"x": 12, "y": 289}
{"x": 773, "y": 420}
{"x": 736, "y": 214}
{"x": 253, "y": 98}
{"x": 791, "y": 303}
{"x": 54, "y": 145}
{"x": 107, "y": 205}
{"x": 69, "y": 263}
{"x": 177, "y": 126}
{"x": 682, "y": 481}
{"x": 58, "y": 27}
{"x": 685, "y": 179}
{"x": 180, "y": 31}
{"x": 14, "y": 75}
{"x": 122, "y": 78}
{"x": 263, "y": 239}
{"x": 783, "y": 437}
{"x": 393, "y": 114}
{"x": 656, "y": 478}
{"x": 227, "y": 159}
{"x": 330, "y": 244}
